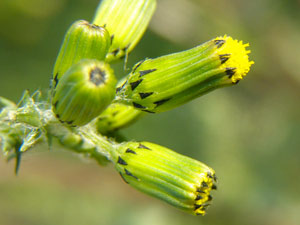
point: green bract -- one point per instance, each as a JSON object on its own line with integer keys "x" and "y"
{"x": 82, "y": 41}
{"x": 84, "y": 91}
{"x": 126, "y": 21}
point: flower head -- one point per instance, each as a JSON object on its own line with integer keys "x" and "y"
{"x": 160, "y": 172}
{"x": 126, "y": 21}
{"x": 163, "y": 83}
{"x": 82, "y": 41}
{"x": 117, "y": 116}
{"x": 235, "y": 54}
{"x": 84, "y": 91}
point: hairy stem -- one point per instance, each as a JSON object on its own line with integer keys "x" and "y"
{"x": 33, "y": 121}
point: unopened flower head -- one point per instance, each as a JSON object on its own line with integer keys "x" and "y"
{"x": 126, "y": 21}
{"x": 163, "y": 83}
{"x": 117, "y": 116}
{"x": 84, "y": 91}
{"x": 162, "y": 173}
{"x": 82, "y": 41}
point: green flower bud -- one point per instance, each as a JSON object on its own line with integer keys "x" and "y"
{"x": 161, "y": 84}
{"x": 82, "y": 41}
{"x": 117, "y": 116}
{"x": 162, "y": 173}
{"x": 84, "y": 91}
{"x": 126, "y": 21}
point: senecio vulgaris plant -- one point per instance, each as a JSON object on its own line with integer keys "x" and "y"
{"x": 87, "y": 103}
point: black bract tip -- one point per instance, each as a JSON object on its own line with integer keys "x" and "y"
{"x": 219, "y": 43}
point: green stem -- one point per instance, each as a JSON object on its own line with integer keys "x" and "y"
{"x": 22, "y": 127}
{"x": 104, "y": 146}
{"x": 82, "y": 140}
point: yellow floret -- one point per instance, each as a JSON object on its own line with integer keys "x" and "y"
{"x": 238, "y": 57}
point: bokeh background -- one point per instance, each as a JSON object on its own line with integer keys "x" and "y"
{"x": 249, "y": 133}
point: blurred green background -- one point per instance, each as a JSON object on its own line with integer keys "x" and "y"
{"x": 249, "y": 133}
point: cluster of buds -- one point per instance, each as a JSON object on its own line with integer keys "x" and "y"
{"x": 115, "y": 31}
{"x": 85, "y": 94}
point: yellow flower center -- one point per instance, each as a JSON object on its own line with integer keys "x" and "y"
{"x": 238, "y": 60}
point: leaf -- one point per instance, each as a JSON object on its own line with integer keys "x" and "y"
{"x": 25, "y": 99}
{"x": 30, "y": 140}
{"x": 18, "y": 160}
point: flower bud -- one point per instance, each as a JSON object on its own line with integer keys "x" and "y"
{"x": 117, "y": 116}
{"x": 126, "y": 21}
{"x": 161, "y": 84}
{"x": 84, "y": 91}
{"x": 82, "y": 41}
{"x": 162, "y": 173}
